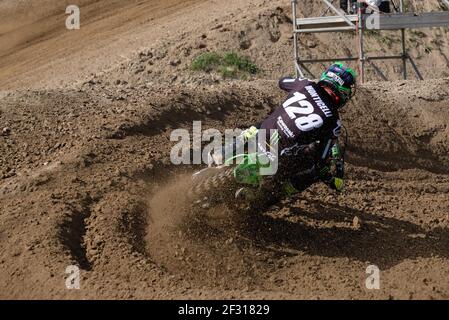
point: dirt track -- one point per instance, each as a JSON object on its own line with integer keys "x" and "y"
{"x": 85, "y": 171}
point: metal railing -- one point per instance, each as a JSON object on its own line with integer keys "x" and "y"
{"x": 344, "y": 22}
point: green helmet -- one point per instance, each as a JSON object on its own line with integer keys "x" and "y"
{"x": 341, "y": 80}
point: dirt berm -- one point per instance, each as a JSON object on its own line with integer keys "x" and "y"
{"x": 79, "y": 173}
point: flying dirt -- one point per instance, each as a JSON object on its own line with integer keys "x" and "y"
{"x": 86, "y": 178}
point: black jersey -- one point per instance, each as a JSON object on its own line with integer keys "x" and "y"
{"x": 306, "y": 116}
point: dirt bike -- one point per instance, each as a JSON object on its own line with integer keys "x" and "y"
{"x": 242, "y": 186}
{"x": 237, "y": 185}
{"x": 238, "y": 182}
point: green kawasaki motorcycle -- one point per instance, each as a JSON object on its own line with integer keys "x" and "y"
{"x": 247, "y": 180}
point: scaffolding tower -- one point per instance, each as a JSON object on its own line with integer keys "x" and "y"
{"x": 358, "y": 24}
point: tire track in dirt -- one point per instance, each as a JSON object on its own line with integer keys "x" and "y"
{"x": 72, "y": 234}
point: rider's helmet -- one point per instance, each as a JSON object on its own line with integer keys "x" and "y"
{"x": 341, "y": 81}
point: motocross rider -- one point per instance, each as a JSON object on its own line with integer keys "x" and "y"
{"x": 307, "y": 127}
{"x": 308, "y": 124}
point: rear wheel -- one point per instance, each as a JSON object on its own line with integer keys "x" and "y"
{"x": 215, "y": 184}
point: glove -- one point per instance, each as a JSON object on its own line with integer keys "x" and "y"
{"x": 250, "y": 133}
